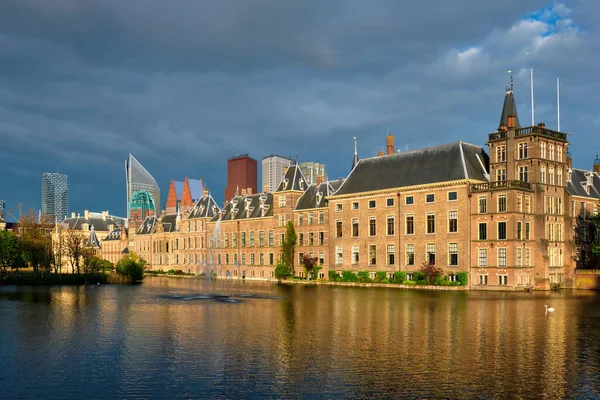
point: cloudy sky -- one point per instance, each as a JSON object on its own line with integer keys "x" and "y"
{"x": 185, "y": 84}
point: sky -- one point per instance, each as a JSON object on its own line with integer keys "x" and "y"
{"x": 185, "y": 84}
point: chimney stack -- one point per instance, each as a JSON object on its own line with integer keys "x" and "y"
{"x": 204, "y": 192}
{"x": 389, "y": 145}
{"x": 104, "y": 213}
{"x": 320, "y": 179}
{"x": 379, "y": 153}
{"x": 512, "y": 121}
{"x": 86, "y": 214}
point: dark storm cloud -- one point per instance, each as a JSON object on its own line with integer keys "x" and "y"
{"x": 183, "y": 85}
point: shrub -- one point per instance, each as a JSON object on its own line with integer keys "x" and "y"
{"x": 363, "y": 276}
{"x": 132, "y": 267}
{"x": 462, "y": 278}
{"x": 410, "y": 282}
{"x": 431, "y": 272}
{"x": 419, "y": 276}
{"x": 438, "y": 281}
{"x": 422, "y": 282}
{"x": 282, "y": 271}
{"x": 349, "y": 276}
{"x": 380, "y": 277}
{"x": 455, "y": 283}
{"x": 399, "y": 277}
{"x": 334, "y": 276}
{"x": 316, "y": 272}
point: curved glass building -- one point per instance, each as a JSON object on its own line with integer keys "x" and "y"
{"x": 138, "y": 179}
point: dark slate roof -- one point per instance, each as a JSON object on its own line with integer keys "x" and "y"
{"x": 169, "y": 222}
{"x": 93, "y": 239}
{"x": 448, "y": 162}
{"x": 315, "y": 195}
{"x": 244, "y": 207}
{"x": 115, "y": 234}
{"x": 96, "y": 221}
{"x": 293, "y": 180}
{"x": 206, "y": 207}
{"x": 148, "y": 226}
{"x": 509, "y": 108}
{"x": 579, "y": 181}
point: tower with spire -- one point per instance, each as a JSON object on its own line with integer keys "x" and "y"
{"x": 355, "y": 159}
{"x": 521, "y": 214}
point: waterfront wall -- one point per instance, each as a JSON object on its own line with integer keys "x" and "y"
{"x": 589, "y": 280}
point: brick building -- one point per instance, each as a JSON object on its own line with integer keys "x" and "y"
{"x": 242, "y": 175}
{"x": 507, "y": 219}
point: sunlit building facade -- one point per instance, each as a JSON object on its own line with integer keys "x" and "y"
{"x": 138, "y": 178}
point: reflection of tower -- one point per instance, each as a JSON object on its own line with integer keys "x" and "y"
{"x": 139, "y": 179}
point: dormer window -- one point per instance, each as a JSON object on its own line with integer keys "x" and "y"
{"x": 285, "y": 183}
{"x": 319, "y": 196}
{"x": 301, "y": 183}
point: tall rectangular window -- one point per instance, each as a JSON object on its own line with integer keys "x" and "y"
{"x": 543, "y": 150}
{"x": 354, "y": 227}
{"x": 528, "y": 204}
{"x": 551, "y": 176}
{"x": 354, "y": 255}
{"x": 300, "y": 219}
{"x": 502, "y": 203}
{"x": 261, "y": 238}
{"x": 519, "y": 230}
{"x": 233, "y": 239}
{"x": 519, "y": 257}
{"x": 543, "y": 174}
{"x": 410, "y": 224}
{"x": 321, "y": 238}
{"x": 372, "y": 226}
{"x": 410, "y": 254}
{"x": 559, "y": 177}
{"x": 261, "y": 259}
{"x": 338, "y": 255}
{"x": 522, "y": 150}
{"x": 482, "y": 231}
{"x": 452, "y": 221}
{"x": 502, "y": 258}
{"x": 252, "y": 239}
{"x": 501, "y": 230}
{"x": 431, "y": 253}
{"x": 453, "y": 254}
{"x": 338, "y": 229}
{"x": 321, "y": 217}
{"x": 270, "y": 238}
{"x": 391, "y": 257}
{"x": 482, "y": 257}
{"x": 372, "y": 254}
{"x": 390, "y": 225}
{"x": 550, "y": 151}
{"x": 501, "y": 154}
{"x": 501, "y": 174}
{"x": 311, "y": 238}
{"x": 482, "y": 205}
{"x": 559, "y": 153}
{"x": 523, "y": 177}
{"x": 430, "y": 223}
{"x": 310, "y": 218}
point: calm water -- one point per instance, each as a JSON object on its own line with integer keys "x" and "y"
{"x": 158, "y": 341}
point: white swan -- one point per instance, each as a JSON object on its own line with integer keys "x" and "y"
{"x": 549, "y": 309}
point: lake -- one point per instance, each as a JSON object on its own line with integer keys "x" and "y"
{"x": 166, "y": 339}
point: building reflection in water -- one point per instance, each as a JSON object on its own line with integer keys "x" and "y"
{"x": 310, "y": 341}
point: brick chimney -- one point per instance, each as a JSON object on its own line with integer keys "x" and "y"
{"x": 204, "y": 192}
{"x": 248, "y": 191}
{"x": 320, "y": 179}
{"x": 243, "y": 192}
{"x": 389, "y": 145}
{"x": 512, "y": 121}
{"x": 104, "y": 214}
{"x": 379, "y": 153}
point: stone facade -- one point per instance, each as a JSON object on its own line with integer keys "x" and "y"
{"x": 507, "y": 219}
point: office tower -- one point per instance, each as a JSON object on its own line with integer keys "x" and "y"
{"x": 55, "y": 196}
{"x": 273, "y": 168}
{"x": 2, "y": 209}
{"x": 139, "y": 179}
{"x": 242, "y": 175}
{"x": 311, "y": 170}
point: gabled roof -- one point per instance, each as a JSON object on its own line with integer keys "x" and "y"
{"x": 509, "y": 108}
{"x": 115, "y": 234}
{"x": 579, "y": 180}
{"x": 148, "y": 226}
{"x": 315, "y": 195}
{"x": 292, "y": 180}
{"x": 448, "y": 162}
{"x": 257, "y": 205}
{"x": 206, "y": 207}
{"x": 95, "y": 220}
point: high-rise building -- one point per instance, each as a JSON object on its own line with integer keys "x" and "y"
{"x": 273, "y": 168}
{"x": 55, "y": 195}
{"x": 242, "y": 174}
{"x": 140, "y": 179}
{"x": 311, "y": 170}
{"x": 2, "y": 208}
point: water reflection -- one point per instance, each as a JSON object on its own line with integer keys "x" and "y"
{"x": 290, "y": 341}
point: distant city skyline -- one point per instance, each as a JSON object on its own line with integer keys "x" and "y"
{"x": 55, "y": 195}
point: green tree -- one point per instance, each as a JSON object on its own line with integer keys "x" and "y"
{"x": 132, "y": 266}
{"x": 75, "y": 248}
{"x": 36, "y": 241}
{"x": 9, "y": 251}
{"x": 431, "y": 272}
{"x": 288, "y": 247}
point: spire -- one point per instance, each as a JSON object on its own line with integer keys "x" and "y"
{"x": 509, "y": 109}
{"x": 355, "y": 159}
{"x": 237, "y": 191}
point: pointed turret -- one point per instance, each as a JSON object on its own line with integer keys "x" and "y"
{"x": 509, "y": 117}
{"x": 172, "y": 198}
{"x": 355, "y": 159}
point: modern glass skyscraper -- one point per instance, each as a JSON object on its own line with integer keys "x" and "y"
{"x": 55, "y": 196}
{"x": 140, "y": 179}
